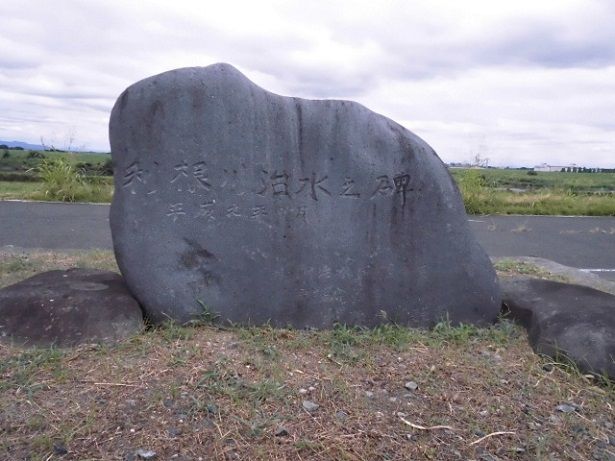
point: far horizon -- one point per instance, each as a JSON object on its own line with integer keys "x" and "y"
{"x": 453, "y": 164}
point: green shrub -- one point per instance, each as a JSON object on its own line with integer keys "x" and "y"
{"x": 62, "y": 181}
{"x": 475, "y": 192}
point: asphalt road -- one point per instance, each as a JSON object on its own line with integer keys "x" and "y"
{"x": 582, "y": 242}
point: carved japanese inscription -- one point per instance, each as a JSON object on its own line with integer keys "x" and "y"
{"x": 271, "y": 209}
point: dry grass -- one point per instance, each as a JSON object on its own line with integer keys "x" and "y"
{"x": 200, "y": 392}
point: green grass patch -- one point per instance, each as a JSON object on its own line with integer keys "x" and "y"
{"x": 21, "y": 160}
{"x": 537, "y": 180}
{"x": 484, "y": 192}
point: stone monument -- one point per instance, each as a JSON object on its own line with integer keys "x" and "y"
{"x": 254, "y": 207}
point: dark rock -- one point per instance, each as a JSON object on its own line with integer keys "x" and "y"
{"x": 565, "y": 320}
{"x": 235, "y": 202}
{"x": 281, "y": 432}
{"x": 59, "y": 449}
{"x": 66, "y": 308}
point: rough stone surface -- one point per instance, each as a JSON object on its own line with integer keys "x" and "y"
{"x": 265, "y": 208}
{"x": 66, "y": 308}
{"x": 564, "y": 319}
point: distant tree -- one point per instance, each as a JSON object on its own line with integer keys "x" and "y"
{"x": 35, "y": 154}
{"x": 6, "y": 154}
{"x": 480, "y": 161}
{"x": 563, "y": 170}
{"x": 3, "y": 146}
{"x": 18, "y": 148}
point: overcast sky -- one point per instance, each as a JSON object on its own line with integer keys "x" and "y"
{"x": 520, "y": 83}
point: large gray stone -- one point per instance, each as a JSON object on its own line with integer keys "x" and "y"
{"x": 265, "y": 208}
{"x": 66, "y": 308}
{"x": 565, "y": 320}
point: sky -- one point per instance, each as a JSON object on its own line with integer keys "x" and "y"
{"x": 515, "y": 83}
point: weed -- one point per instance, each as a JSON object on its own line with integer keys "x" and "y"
{"x": 19, "y": 371}
{"x": 172, "y": 331}
{"x": 206, "y": 316}
{"x": 445, "y": 332}
{"x": 41, "y": 444}
{"x": 62, "y": 181}
{"x": 225, "y": 381}
{"x": 474, "y": 191}
{"x": 393, "y": 335}
{"x": 16, "y": 264}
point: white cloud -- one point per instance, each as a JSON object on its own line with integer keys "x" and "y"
{"x": 521, "y": 82}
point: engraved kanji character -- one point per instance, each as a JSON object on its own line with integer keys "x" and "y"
{"x": 131, "y": 174}
{"x": 258, "y": 211}
{"x": 206, "y": 210}
{"x": 315, "y": 185}
{"x": 199, "y": 171}
{"x": 383, "y": 187}
{"x": 401, "y": 182}
{"x": 233, "y": 210}
{"x": 176, "y": 210}
{"x": 346, "y": 189}
{"x": 277, "y": 181}
{"x": 182, "y": 171}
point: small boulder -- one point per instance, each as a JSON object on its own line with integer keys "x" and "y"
{"x": 68, "y": 307}
{"x": 565, "y": 320}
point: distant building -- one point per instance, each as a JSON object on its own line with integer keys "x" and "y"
{"x": 546, "y": 167}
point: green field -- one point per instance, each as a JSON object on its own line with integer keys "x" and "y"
{"x": 509, "y": 191}
{"x": 63, "y": 176}
{"x": 14, "y": 164}
{"x": 580, "y": 183}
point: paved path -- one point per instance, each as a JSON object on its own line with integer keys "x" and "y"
{"x": 582, "y": 242}
{"x": 54, "y": 226}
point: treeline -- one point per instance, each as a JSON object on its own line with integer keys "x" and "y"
{"x": 574, "y": 169}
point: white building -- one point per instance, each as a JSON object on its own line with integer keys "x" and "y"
{"x": 545, "y": 167}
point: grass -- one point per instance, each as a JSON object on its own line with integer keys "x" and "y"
{"x": 18, "y": 190}
{"x": 513, "y": 178}
{"x": 515, "y": 267}
{"x": 67, "y": 177}
{"x": 198, "y": 391}
{"x": 489, "y": 192}
{"x": 22, "y": 160}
